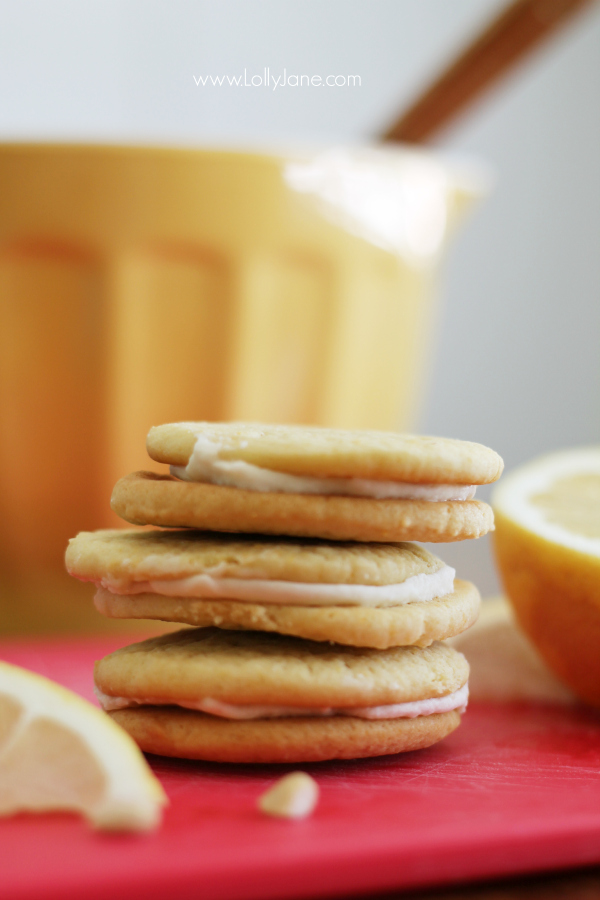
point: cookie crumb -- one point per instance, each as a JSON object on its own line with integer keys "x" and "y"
{"x": 294, "y": 796}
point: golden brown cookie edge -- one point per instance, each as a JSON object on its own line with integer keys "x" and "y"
{"x": 187, "y": 734}
{"x": 145, "y": 498}
{"x": 379, "y": 628}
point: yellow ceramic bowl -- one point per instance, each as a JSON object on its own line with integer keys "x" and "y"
{"x": 140, "y": 286}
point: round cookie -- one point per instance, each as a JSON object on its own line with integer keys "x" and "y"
{"x": 412, "y": 623}
{"x": 331, "y": 453}
{"x": 146, "y": 498}
{"x": 246, "y": 667}
{"x": 127, "y": 556}
{"x": 170, "y": 731}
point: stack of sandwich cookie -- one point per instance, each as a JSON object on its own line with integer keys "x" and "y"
{"x": 314, "y": 640}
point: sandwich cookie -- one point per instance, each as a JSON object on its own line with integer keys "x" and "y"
{"x": 254, "y": 697}
{"x": 366, "y": 595}
{"x": 311, "y": 482}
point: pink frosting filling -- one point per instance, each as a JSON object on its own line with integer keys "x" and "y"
{"x": 457, "y": 700}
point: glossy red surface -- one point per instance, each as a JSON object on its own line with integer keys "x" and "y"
{"x": 515, "y": 789}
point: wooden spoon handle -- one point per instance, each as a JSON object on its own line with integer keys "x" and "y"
{"x": 518, "y": 28}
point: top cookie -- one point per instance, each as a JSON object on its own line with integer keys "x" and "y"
{"x": 326, "y": 452}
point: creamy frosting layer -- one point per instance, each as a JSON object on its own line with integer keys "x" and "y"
{"x": 417, "y": 588}
{"x": 457, "y": 700}
{"x": 204, "y": 465}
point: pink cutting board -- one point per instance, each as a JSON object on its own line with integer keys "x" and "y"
{"x": 516, "y": 789}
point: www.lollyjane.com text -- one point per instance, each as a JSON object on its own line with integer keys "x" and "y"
{"x": 272, "y": 81}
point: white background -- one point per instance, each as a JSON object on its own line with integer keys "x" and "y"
{"x": 517, "y": 360}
